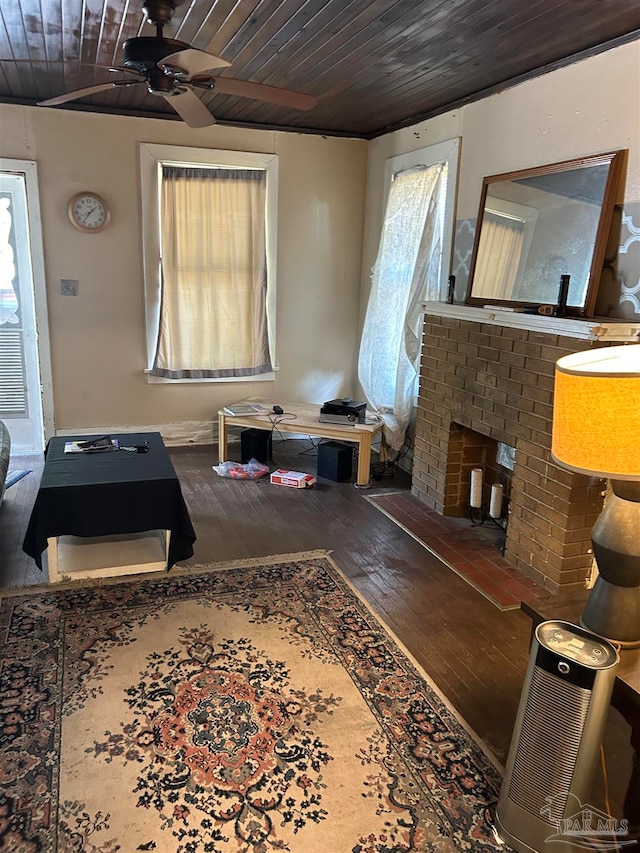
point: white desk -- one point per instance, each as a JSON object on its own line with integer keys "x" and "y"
{"x": 307, "y": 422}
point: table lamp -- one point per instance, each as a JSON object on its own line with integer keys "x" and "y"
{"x": 596, "y": 431}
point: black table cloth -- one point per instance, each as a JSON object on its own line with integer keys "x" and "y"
{"x": 113, "y": 492}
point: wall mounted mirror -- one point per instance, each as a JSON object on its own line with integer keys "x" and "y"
{"x": 539, "y": 224}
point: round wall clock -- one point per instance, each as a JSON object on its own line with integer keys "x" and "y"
{"x": 88, "y": 212}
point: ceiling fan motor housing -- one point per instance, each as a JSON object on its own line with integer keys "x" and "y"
{"x": 143, "y": 54}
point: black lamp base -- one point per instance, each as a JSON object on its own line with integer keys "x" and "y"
{"x": 613, "y": 612}
{"x": 613, "y": 608}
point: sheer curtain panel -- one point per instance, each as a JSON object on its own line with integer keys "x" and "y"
{"x": 406, "y": 273}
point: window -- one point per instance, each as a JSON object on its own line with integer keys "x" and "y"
{"x": 209, "y": 250}
{"x": 446, "y": 153}
{"x": 411, "y": 267}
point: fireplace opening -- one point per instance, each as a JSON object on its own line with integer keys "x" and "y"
{"x": 478, "y": 480}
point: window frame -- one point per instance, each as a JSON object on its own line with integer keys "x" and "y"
{"x": 152, "y": 158}
{"x": 440, "y": 152}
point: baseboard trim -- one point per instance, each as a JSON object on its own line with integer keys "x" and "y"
{"x": 174, "y": 435}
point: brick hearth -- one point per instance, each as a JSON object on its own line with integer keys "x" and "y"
{"x": 498, "y": 381}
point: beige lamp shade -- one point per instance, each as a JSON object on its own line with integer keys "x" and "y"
{"x": 596, "y": 412}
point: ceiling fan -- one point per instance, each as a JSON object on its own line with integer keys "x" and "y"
{"x": 172, "y": 69}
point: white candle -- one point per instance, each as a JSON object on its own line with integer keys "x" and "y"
{"x": 476, "y": 487}
{"x": 495, "y": 505}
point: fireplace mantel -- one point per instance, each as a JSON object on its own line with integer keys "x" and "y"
{"x": 590, "y": 330}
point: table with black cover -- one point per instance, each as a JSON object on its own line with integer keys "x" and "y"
{"x": 102, "y": 494}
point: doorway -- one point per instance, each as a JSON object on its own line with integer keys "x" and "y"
{"x": 26, "y": 404}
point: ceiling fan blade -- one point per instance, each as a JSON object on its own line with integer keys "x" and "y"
{"x": 190, "y": 108}
{"x": 120, "y": 69}
{"x": 192, "y": 61}
{"x": 115, "y": 69}
{"x": 273, "y": 94}
{"x": 90, "y": 90}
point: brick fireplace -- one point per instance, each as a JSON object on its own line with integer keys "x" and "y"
{"x": 481, "y": 377}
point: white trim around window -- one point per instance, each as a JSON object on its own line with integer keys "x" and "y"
{"x": 152, "y": 158}
{"x": 440, "y": 152}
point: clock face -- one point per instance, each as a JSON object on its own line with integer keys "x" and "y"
{"x": 89, "y": 212}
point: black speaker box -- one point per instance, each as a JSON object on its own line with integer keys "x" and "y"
{"x": 255, "y": 444}
{"x": 334, "y": 461}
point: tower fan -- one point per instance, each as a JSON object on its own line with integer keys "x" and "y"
{"x": 556, "y": 739}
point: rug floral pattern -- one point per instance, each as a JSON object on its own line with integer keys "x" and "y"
{"x": 253, "y": 709}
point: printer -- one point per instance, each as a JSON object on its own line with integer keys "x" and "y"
{"x": 343, "y": 411}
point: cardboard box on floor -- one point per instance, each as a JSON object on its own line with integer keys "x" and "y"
{"x": 295, "y": 479}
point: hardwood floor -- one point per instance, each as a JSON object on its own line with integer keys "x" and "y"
{"x": 475, "y": 653}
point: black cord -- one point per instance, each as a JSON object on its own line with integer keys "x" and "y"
{"x": 389, "y": 467}
{"x": 275, "y": 420}
{"x": 309, "y": 451}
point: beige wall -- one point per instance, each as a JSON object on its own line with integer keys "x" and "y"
{"x": 327, "y": 245}
{"x": 97, "y": 338}
{"x": 590, "y": 107}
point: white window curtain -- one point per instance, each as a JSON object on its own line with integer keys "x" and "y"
{"x": 213, "y": 315}
{"x": 499, "y": 251}
{"x": 406, "y": 273}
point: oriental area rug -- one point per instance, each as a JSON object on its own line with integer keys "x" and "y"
{"x": 255, "y": 707}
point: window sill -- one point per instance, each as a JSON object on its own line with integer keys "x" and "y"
{"x": 161, "y": 380}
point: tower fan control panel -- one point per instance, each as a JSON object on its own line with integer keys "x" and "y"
{"x": 573, "y": 654}
{"x": 570, "y": 641}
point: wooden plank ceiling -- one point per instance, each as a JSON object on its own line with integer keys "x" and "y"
{"x": 373, "y": 65}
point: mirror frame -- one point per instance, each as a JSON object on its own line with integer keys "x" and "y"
{"x": 615, "y": 161}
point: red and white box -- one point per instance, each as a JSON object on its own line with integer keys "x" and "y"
{"x": 295, "y": 479}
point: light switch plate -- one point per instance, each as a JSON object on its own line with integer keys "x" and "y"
{"x": 69, "y": 286}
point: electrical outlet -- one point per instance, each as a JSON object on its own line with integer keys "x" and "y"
{"x": 69, "y": 286}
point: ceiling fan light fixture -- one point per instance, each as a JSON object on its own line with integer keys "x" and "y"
{"x": 159, "y": 83}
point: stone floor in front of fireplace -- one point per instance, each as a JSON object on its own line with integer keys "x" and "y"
{"x": 472, "y": 552}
